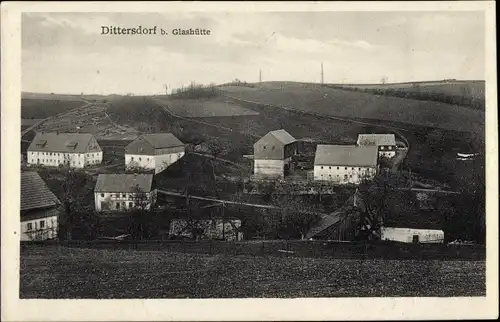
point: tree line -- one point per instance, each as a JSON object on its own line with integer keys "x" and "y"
{"x": 466, "y": 98}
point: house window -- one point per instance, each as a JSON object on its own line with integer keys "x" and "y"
{"x": 337, "y": 168}
{"x": 330, "y": 168}
{"x": 102, "y": 195}
{"x": 29, "y": 226}
{"x": 359, "y": 169}
{"x": 124, "y": 195}
{"x": 345, "y": 168}
{"x": 345, "y": 176}
{"x": 140, "y": 159}
{"x": 132, "y": 158}
{"x": 381, "y": 148}
{"x": 42, "y": 223}
{"x": 350, "y": 176}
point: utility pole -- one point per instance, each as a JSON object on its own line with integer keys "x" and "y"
{"x": 322, "y": 74}
{"x": 260, "y": 75}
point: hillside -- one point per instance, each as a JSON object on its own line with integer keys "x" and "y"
{"x": 335, "y": 102}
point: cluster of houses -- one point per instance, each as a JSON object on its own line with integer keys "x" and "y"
{"x": 339, "y": 164}
{"x": 274, "y": 156}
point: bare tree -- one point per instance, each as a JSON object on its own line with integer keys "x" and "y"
{"x": 383, "y": 80}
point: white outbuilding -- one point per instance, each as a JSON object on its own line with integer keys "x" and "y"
{"x": 155, "y": 151}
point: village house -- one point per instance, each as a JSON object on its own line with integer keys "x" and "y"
{"x": 386, "y": 143}
{"x": 154, "y": 151}
{"x": 117, "y": 192}
{"x": 207, "y": 229}
{"x": 343, "y": 164}
{"x": 75, "y": 150}
{"x": 273, "y": 154}
{"x": 39, "y": 209}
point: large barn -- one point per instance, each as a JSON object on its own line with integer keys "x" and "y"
{"x": 343, "y": 164}
{"x": 273, "y": 154}
{"x": 75, "y": 150}
{"x": 39, "y": 208}
{"x": 155, "y": 151}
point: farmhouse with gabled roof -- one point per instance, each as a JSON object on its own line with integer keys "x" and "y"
{"x": 75, "y": 150}
{"x": 345, "y": 163}
{"x": 124, "y": 192}
{"x": 386, "y": 143}
{"x": 39, "y": 208}
{"x": 273, "y": 154}
{"x": 154, "y": 151}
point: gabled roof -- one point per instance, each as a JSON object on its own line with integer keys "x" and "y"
{"x": 124, "y": 182}
{"x": 346, "y": 155}
{"x": 162, "y": 140}
{"x": 61, "y": 142}
{"x": 283, "y": 136}
{"x": 35, "y": 193}
{"x": 376, "y": 139}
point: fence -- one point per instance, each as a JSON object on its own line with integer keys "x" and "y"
{"x": 293, "y": 248}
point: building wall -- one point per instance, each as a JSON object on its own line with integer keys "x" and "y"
{"x": 269, "y": 167}
{"x": 165, "y": 160}
{"x": 140, "y": 160}
{"x": 343, "y": 174}
{"x": 56, "y": 159}
{"x": 405, "y": 235}
{"x": 126, "y": 200}
{"x": 35, "y": 230}
{"x": 388, "y": 151}
{"x": 156, "y": 162}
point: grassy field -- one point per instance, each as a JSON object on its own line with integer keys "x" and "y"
{"x": 60, "y": 272}
{"x": 43, "y": 108}
{"x": 342, "y": 103}
{"x": 215, "y": 107}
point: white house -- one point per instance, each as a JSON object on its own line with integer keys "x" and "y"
{"x": 273, "y": 154}
{"x": 75, "y": 150}
{"x": 343, "y": 164}
{"x": 412, "y": 235}
{"x": 39, "y": 209}
{"x": 116, "y": 192}
{"x": 386, "y": 143}
{"x": 154, "y": 151}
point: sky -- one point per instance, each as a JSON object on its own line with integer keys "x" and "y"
{"x": 66, "y": 53}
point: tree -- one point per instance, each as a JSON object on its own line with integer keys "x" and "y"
{"x": 142, "y": 217}
{"x": 297, "y": 217}
{"x": 383, "y": 80}
{"x": 216, "y": 148}
{"x": 76, "y": 198}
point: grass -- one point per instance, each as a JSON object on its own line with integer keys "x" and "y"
{"x": 341, "y": 103}
{"x": 43, "y": 108}
{"x": 60, "y": 272}
{"x": 205, "y": 108}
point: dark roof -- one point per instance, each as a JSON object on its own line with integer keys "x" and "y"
{"x": 35, "y": 193}
{"x": 123, "y": 182}
{"x": 162, "y": 140}
{"x": 346, "y": 155}
{"x": 376, "y": 139}
{"x": 61, "y": 142}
